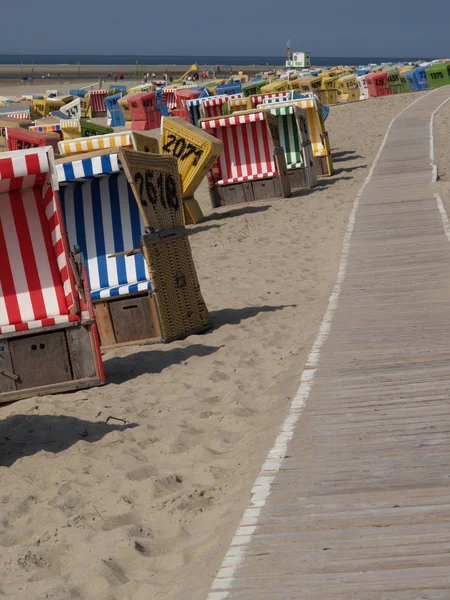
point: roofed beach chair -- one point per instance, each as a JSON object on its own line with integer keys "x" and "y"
{"x": 102, "y": 219}
{"x": 252, "y": 165}
{"x": 319, "y": 136}
{"x": 295, "y": 139}
{"x": 48, "y": 336}
{"x": 195, "y": 151}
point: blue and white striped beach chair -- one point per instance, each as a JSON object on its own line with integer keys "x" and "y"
{"x": 102, "y": 218}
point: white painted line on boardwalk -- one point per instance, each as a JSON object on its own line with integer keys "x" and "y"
{"x": 221, "y": 588}
{"x": 434, "y": 175}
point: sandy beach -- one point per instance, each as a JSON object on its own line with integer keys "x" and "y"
{"x": 144, "y": 505}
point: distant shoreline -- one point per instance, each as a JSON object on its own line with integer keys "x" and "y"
{"x": 96, "y": 71}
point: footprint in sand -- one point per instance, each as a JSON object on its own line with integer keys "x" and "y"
{"x": 141, "y": 473}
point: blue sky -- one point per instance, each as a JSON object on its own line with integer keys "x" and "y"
{"x": 232, "y": 27}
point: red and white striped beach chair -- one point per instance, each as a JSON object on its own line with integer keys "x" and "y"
{"x": 252, "y": 165}
{"x": 48, "y": 335}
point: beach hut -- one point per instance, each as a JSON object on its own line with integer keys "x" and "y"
{"x": 48, "y": 336}
{"x": 23, "y": 139}
{"x": 348, "y": 87}
{"x": 278, "y": 85}
{"x": 97, "y": 103}
{"x": 294, "y": 138}
{"x": 91, "y": 129}
{"x": 438, "y": 75}
{"x": 10, "y": 123}
{"x": 72, "y": 109}
{"x": 15, "y": 111}
{"x": 422, "y": 77}
{"x": 377, "y": 84}
{"x": 306, "y": 85}
{"x": 398, "y": 82}
{"x": 362, "y": 84}
{"x": 253, "y": 86}
{"x": 115, "y": 115}
{"x": 413, "y": 82}
{"x": 252, "y": 165}
{"x": 156, "y": 186}
{"x": 195, "y": 151}
{"x": 229, "y": 89}
{"x": 67, "y": 128}
{"x": 95, "y": 142}
{"x": 104, "y": 220}
{"x": 318, "y": 134}
{"x": 45, "y": 106}
{"x": 144, "y": 112}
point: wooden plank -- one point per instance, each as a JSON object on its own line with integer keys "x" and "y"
{"x": 81, "y": 353}
{"x": 132, "y": 320}
{"x": 7, "y": 383}
{"x": 358, "y": 505}
{"x": 104, "y": 324}
{"x": 40, "y": 359}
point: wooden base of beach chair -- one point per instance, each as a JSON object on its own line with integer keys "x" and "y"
{"x": 50, "y": 360}
{"x": 192, "y": 212}
{"x": 247, "y": 191}
{"x": 322, "y": 166}
{"x": 123, "y": 321}
{"x": 298, "y": 179}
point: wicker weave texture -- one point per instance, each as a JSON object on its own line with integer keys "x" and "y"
{"x": 179, "y": 299}
{"x": 155, "y": 181}
{"x": 194, "y": 149}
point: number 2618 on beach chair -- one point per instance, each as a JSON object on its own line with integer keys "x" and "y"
{"x": 48, "y": 336}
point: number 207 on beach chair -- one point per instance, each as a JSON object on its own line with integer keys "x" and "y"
{"x": 48, "y": 336}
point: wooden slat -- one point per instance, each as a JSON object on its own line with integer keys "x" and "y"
{"x": 360, "y": 508}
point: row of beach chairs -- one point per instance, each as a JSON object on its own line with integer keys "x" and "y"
{"x": 95, "y": 246}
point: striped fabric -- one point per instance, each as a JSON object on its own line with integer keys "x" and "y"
{"x": 311, "y": 106}
{"x": 248, "y": 150}
{"x": 95, "y": 142}
{"x": 16, "y": 111}
{"x": 169, "y": 98}
{"x": 262, "y": 98}
{"x": 237, "y": 120}
{"x": 289, "y": 136}
{"x": 98, "y": 101}
{"x": 36, "y": 287}
{"x": 88, "y": 167}
{"x": 45, "y": 128}
{"x": 315, "y": 128}
{"x": 102, "y": 218}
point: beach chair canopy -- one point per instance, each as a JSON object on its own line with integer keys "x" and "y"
{"x": 36, "y": 281}
{"x": 102, "y": 218}
{"x": 248, "y": 149}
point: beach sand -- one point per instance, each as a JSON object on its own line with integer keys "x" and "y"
{"x": 147, "y": 508}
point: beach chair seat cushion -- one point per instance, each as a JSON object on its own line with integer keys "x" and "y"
{"x": 102, "y": 218}
{"x": 122, "y": 290}
{"x": 48, "y": 322}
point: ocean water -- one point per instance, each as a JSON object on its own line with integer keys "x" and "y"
{"x": 91, "y": 59}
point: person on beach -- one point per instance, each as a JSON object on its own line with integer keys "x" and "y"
{"x": 121, "y": 76}
{"x": 115, "y": 77}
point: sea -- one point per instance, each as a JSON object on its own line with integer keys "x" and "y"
{"x": 91, "y": 59}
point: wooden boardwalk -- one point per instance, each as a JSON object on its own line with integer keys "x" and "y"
{"x": 357, "y": 504}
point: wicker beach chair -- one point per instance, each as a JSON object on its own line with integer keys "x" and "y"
{"x": 48, "y": 335}
{"x": 252, "y": 165}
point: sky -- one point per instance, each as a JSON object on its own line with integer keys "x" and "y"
{"x": 395, "y": 28}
